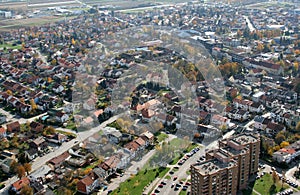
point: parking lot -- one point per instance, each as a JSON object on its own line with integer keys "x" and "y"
{"x": 178, "y": 178}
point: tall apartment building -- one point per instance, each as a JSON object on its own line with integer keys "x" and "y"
{"x": 236, "y": 159}
{"x": 214, "y": 177}
{"x": 245, "y": 141}
{"x": 242, "y": 157}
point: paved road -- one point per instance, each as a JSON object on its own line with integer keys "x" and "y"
{"x": 250, "y": 26}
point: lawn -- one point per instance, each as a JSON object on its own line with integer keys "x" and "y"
{"x": 71, "y": 125}
{"x": 176, "y": 158}
{"x": 136, "y": 183}
{"x": 161, "y": 137}
{"x": 264, "y": 185}
{"x": 183, "y": 192}
{"x": 10, "y": 46}
{"x": 67, "y": 133}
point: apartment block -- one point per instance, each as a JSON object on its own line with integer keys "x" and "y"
{"x": 228, "y": 168}
{"x": 214, "y": 177}
{"x": 246, "y": 140}
{"x": 242, "y": 157}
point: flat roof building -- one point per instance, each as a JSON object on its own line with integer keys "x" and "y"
{"x": 214, "y": 177}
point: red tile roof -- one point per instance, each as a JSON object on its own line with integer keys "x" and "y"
{"x": 22, "y": 182}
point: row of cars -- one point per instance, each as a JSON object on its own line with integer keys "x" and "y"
{"x": 285, "y": 192}
{"x": 293, "y": 184}
{"x": 180, "y": 184}
{"x": 161, "y": 185}
{"x": 188, "y": 155}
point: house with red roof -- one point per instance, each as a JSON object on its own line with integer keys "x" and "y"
{"x": 88, "y": 183}
{"x": 2, "y": 132}
{"x": 13, "y": 127}
{"x": 18, "y": 185}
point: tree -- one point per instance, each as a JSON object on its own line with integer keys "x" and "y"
{"x": 53, "y": 62}
{"x": 20, "y": 171}
{"x": 280, "y": 137}
{"x": 260, "y": 47}
{"x": 282, "y": 179}
{"x": 27, "y": 167}
{"x": 274, "y": 177}
{"x": 4, "y": 144}
{"x": 49, "y": 130}
{"x": 9, "y": 92}
{"x": 284, "y": 144}
{"x": 63, "y": 191}
{"x": 270, "y": 151}
{"x": 26, "y": 190}
{"x": 33, "y": 104}
{"x": 298, "y": 126}
{"x": 13, "y": 166}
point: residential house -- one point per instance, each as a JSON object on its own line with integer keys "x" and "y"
{"x": 13, "y": 127}
{"x": 57, "y": 138}
{"x": 111, "y": 165}
{"x": 242, "y": 104}
{"x": 2, "y": 132}
{"x": 59, "y": 160}
{"x": 88, "y": 183}
{"x": 256, "y": 107}
{"x": 57, "y": 88}
{"x": 90, "y": 104}
{"x": 4, "y": 96}
{"x": 166, "y": 119}
{"x": 176, "y": 110}
{"x": 36, "y": 127}
{"x": 132, "y": 147}
{"x": 38, "y": 188}
{"x": 141, "y": 142}
{"x": 287, "y": 154}
{"x": 114, "y": 136}
{"x": 269, "y": 101}
{"x": 148, "y": 137}
{"x": 220, "y": 121}
{"x": 274, "y": 128}
{"x": 32, "y": 153}
{"x": 18, "y": 185}
{"x": 87, "y": 122}
{"x": 241, "y": 115}
{"x": 6, "y": 158}
{"x": 39, "y": 143}
{"x": 258, "y": 122}
{"x": 61, "y": 117}
{"x": 147, "y": 114}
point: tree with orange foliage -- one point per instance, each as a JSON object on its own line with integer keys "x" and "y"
{"x": 9, "y": 92}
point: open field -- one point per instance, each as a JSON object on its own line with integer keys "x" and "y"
{"x": 14, "y": 24}
{"x": 14, "y": 5}
{"x": 10, "y": 46}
